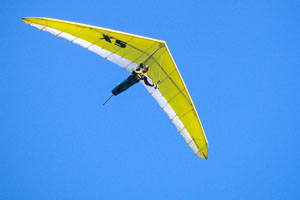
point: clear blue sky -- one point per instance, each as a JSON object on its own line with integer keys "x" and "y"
{"x": 240, "y": 61}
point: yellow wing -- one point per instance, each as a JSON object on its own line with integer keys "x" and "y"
{"x": 128, "y": 50}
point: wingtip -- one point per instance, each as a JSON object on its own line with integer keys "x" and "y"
{"x": 25, "y": 20}
{"x": 202, "y": 155}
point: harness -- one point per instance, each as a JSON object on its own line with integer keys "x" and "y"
{"x": 140, "y": 76}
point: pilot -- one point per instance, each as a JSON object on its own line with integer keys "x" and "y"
{"x": 139, "y": 73}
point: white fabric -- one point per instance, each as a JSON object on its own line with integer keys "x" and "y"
{"x": 67, "y": 36}
{"x": 40, "y": 27}
{"x": 101, "y": 52}
{"x": 51, "y": 30}
{"x": 82, "y": 43}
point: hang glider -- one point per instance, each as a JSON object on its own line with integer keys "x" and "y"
{"x": 127, "y": 51}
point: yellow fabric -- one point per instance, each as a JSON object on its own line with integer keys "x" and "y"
{"x": 154, "y": 53}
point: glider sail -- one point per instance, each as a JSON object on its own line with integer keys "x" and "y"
{"x": 127, "y": 51}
